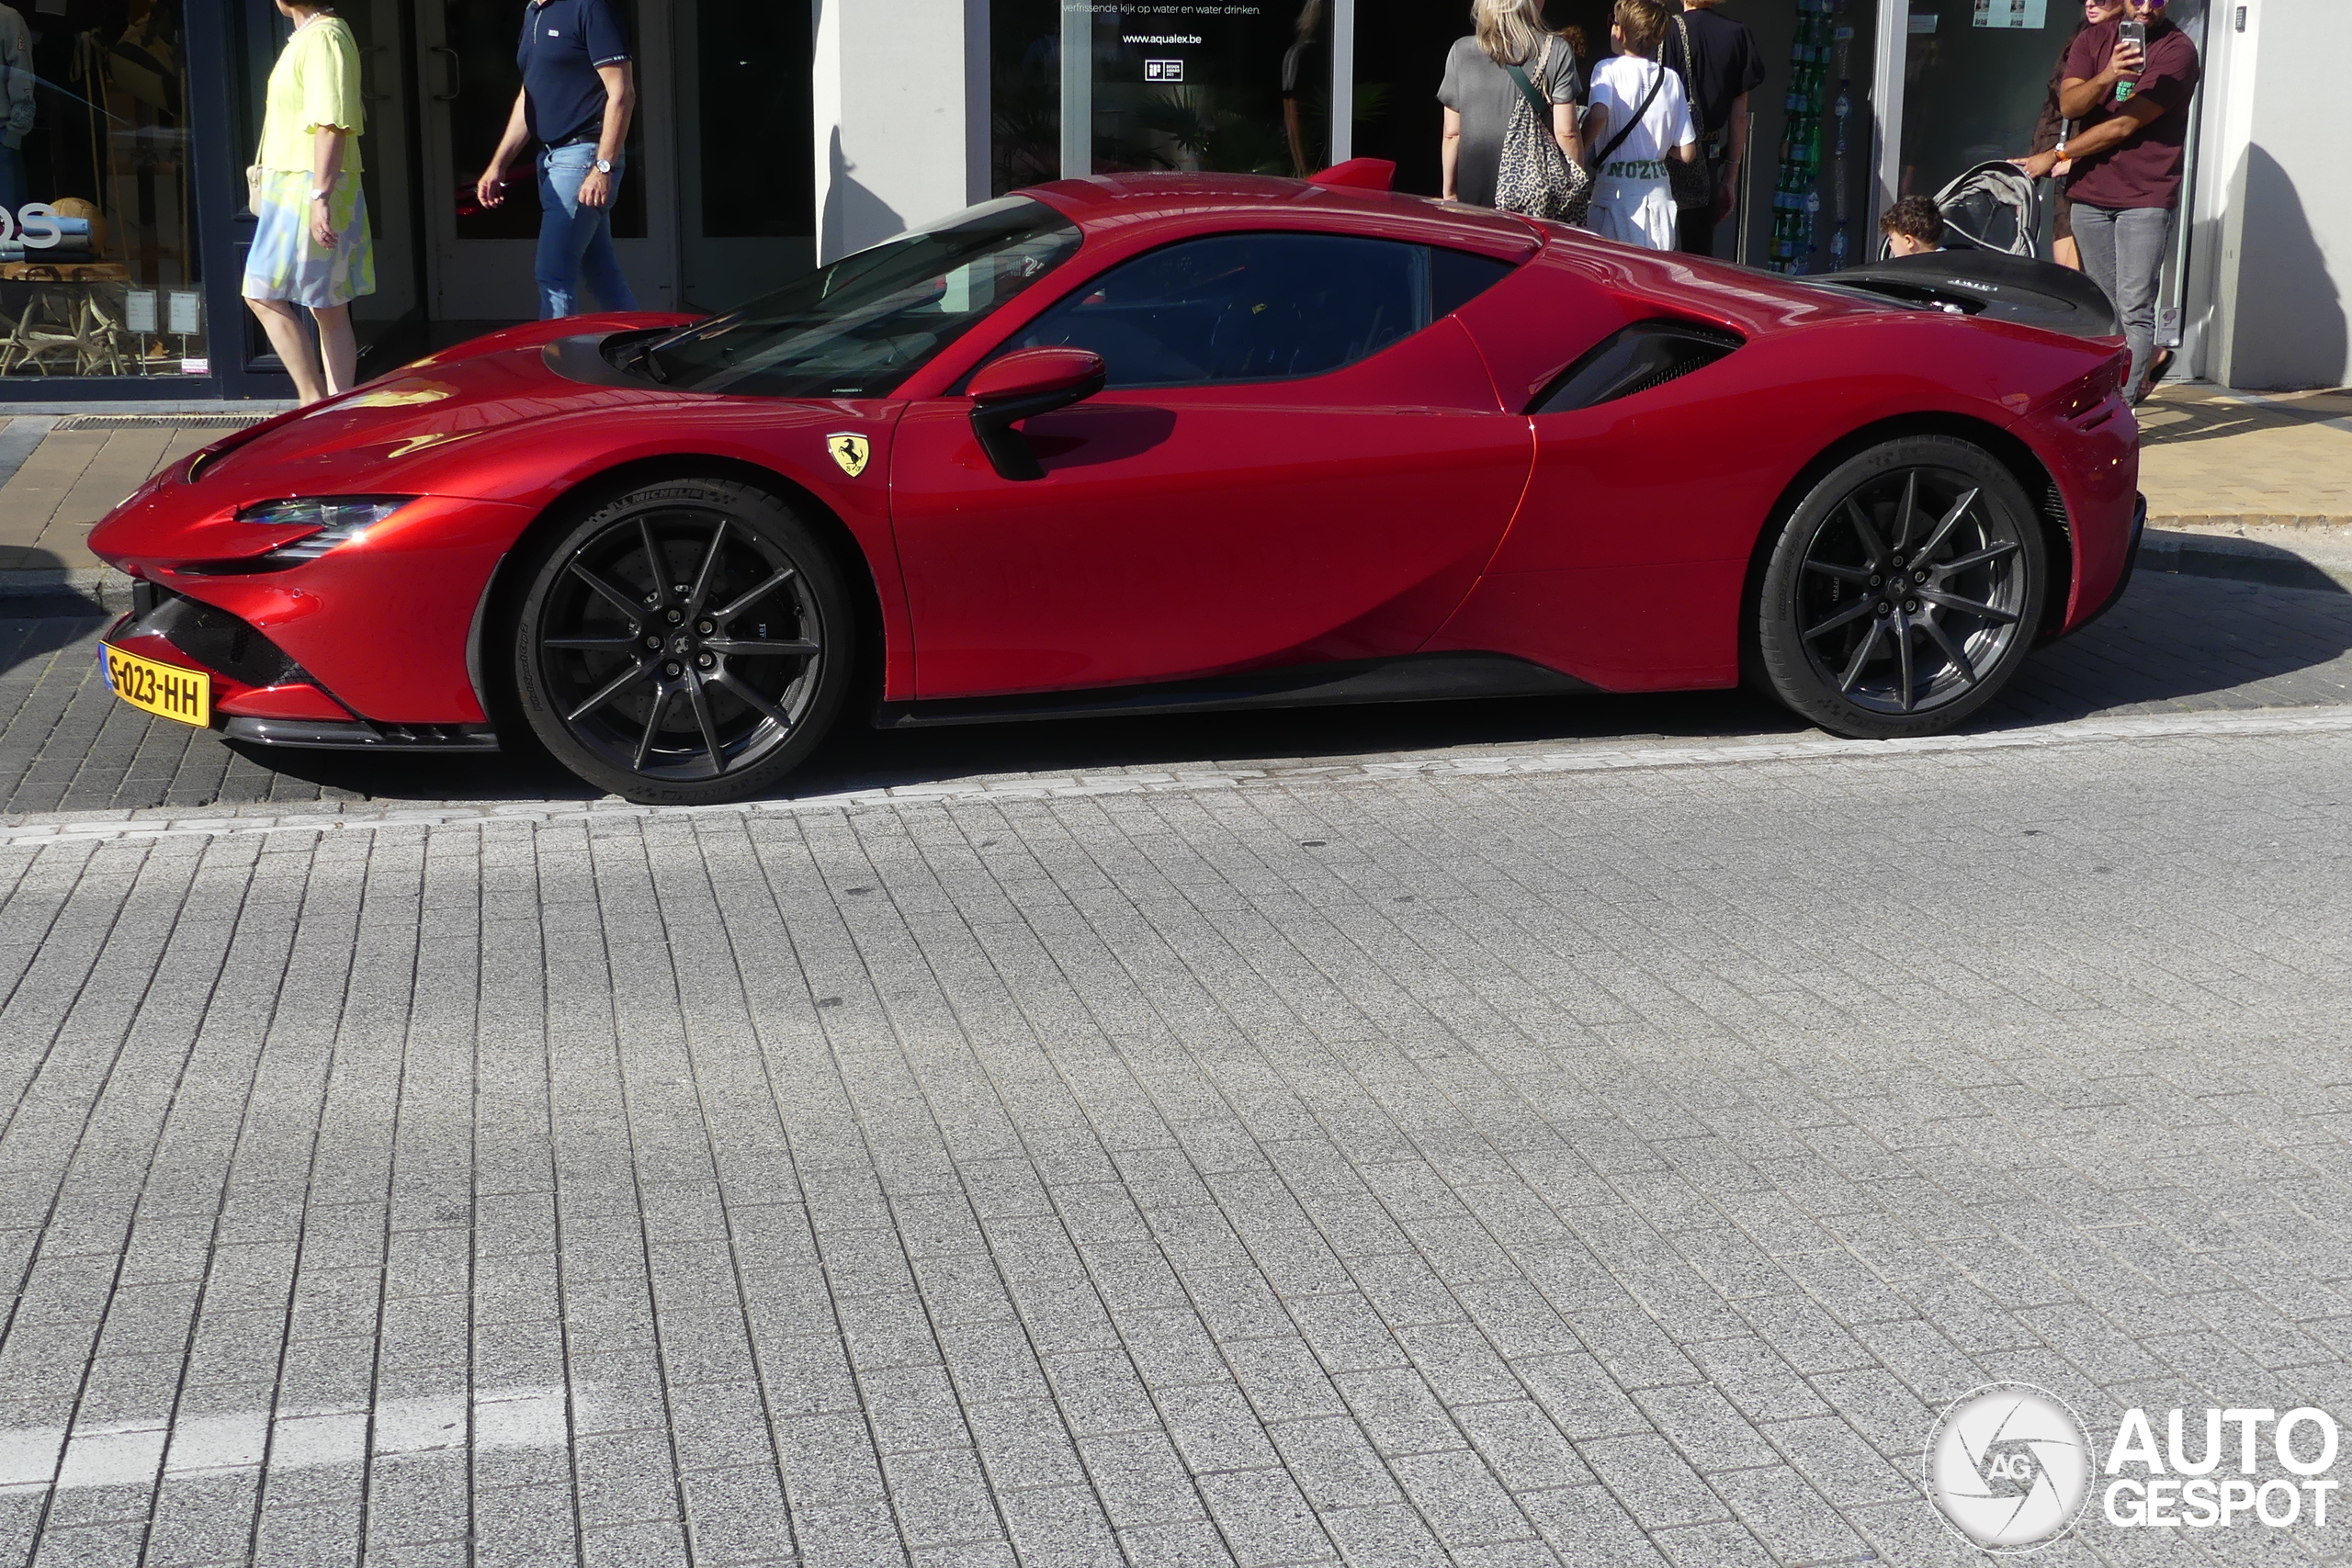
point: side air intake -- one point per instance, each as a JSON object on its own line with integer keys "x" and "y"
{"x": 1633, "y": 359}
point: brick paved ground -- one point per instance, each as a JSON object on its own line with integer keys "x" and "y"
{"x": 2175, "y": 644}
{"x": 1610, "y": 1169}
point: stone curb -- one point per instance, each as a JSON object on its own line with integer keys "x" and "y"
{"x": 2249, "y": 519}
{"x": 62, "y": 591}
{"x": 169, "y": 822}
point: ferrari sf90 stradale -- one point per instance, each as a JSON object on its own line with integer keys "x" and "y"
{"x": 1137, "y": 444}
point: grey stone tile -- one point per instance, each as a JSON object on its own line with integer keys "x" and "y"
{"x": 1655, "y": 1485}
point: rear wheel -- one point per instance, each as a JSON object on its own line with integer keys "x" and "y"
{"x": 687, "y": 644}
{"x": 1904, "y": 593}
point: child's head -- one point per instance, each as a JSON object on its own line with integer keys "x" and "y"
{"x": 1912, "y": 225}
{"x": 1639, "y": 26}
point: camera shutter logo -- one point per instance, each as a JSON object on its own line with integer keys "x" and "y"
{"x": 2009, "y": 1467}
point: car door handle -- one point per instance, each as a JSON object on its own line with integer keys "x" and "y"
{"x": 457, "y": 74}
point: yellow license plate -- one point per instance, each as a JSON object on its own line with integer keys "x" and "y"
{"x": 165, "y": 690}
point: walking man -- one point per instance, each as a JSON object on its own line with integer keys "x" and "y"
{"x": 579, "y": 91}
{"x": 2128, "y": 155}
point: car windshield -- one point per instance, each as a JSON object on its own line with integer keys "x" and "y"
{"x": 859, "y": 327}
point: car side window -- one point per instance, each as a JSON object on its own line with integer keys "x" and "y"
{"x": 1243, "y": 308}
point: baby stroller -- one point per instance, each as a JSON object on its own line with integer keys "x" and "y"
{"x": 1993, "y": 207}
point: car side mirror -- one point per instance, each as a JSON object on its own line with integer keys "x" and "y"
{"x": 1021, "y": 386}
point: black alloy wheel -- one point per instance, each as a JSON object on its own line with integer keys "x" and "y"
{"x": 689, "y": 643}
{"x": 1904, "y": 592}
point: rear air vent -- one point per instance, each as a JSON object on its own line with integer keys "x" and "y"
{"x": 1634, "y": 359}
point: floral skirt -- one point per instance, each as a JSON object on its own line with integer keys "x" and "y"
{"x": 287, "y": 263}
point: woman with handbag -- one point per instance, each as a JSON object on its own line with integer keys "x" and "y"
{"x": 312, "y": 248}
{"x": 1638, "y": 104}
{"x": 1497, "y": 150}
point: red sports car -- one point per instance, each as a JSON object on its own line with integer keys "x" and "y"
{"x": 1152, "y": 444}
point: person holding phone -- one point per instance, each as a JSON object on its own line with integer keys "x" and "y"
{"x": 2129, "y": 83}
{"x": 2052, "y": 128}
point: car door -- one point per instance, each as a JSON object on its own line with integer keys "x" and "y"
{"x": 1299, "y": 457}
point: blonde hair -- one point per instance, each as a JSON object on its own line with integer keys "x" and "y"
{"x": 1510, "y": 31}
{"x": 1644, "y": 23}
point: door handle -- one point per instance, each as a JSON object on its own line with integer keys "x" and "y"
{"x": 457, "y": 74}
{"x": 369, "y": 72}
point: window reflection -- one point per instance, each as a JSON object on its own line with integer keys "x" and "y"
{"x": 99, "y": 272}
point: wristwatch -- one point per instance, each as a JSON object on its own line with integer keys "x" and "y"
{"x": 322, "y": 195}
{"x": 603, "y": 165}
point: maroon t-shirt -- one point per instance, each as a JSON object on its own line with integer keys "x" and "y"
{"x": 2145, "y": 171}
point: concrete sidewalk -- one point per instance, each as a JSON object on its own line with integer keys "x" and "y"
{"x": 2238, "y": 485}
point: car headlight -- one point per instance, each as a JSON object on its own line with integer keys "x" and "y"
{"x": 335, "y": 520}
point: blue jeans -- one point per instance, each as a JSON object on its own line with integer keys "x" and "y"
{"x": 576, "y": 242}
{"x": 2123, "y": 252}
{"x": 13, "y": 189}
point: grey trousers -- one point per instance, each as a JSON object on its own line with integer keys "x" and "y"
{"x": 2123, "y": 252}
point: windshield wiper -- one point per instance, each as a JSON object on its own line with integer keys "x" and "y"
{"x": 653, "y": 363}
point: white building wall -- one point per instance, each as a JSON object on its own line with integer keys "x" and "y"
{"x": 902, "y": 115}
{"x": 2275, "y": 200}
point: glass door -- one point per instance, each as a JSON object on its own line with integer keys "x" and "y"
{"x": 747, "y": 189}
{"x": 1974, "y": 76}
{"x": 481, "y": 259}
{"x": 387, "y": 322}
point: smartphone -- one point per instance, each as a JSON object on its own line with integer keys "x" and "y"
{"x": 2136, "y": 35}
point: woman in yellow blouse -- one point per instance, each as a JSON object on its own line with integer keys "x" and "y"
{"x": 312, "y": 248}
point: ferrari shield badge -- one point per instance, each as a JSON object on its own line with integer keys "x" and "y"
{"x": 850, "y": 451}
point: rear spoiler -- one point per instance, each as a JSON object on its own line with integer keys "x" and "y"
{"x": 1988, "y": 283}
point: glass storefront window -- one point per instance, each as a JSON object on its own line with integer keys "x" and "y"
{"x": 98, "y": 270}
{"x": 1240, "y": 89}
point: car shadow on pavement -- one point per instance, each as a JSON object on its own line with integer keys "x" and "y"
{"x": 2175, "y": 643}
{"x": 36, "y": 628}
{"x": 2183, "y": 642}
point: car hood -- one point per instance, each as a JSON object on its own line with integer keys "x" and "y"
{"x": 394, "y": 430}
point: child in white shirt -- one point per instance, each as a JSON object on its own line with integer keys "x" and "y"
{"x": 1631, "y": 198}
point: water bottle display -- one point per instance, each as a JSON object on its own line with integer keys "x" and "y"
{"x": 1817, "y": 60}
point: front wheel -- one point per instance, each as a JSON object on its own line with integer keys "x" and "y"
{"x": 1904, "y": 593}
{"x": 687, "y": 644}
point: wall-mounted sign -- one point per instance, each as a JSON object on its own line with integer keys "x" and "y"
{"x": 36, "y": 227}
{"x": 2027, "y": 14}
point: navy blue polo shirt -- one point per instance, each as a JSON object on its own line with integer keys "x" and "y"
{"x": 563, "y": 43}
